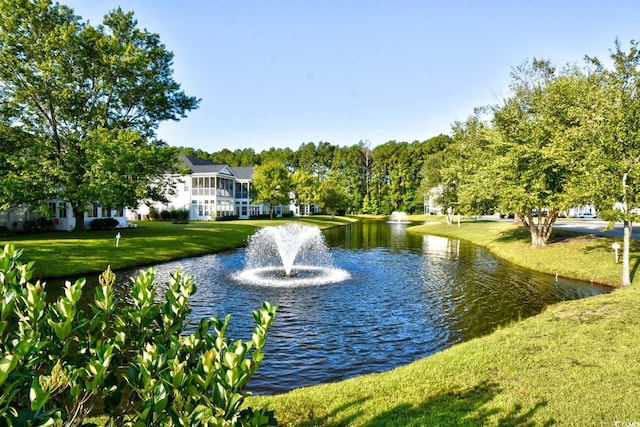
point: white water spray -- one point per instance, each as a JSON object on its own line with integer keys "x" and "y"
{"x": 289, "y": 255}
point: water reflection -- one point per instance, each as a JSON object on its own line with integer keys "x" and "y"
{"x": 409, "y": 296}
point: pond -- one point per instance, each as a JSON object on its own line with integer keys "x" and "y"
{"x": 408, "y": 296}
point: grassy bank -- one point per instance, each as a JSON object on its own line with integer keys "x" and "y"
{"x": 63, "y": 254}
{"x": 577, "y": 256}
{"x": 574, "y": 364}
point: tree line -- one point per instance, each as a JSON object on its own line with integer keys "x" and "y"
{"x": 353, "y": 179}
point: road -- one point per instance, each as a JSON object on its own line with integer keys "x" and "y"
{"x": 594, "y": 226}
{"x": 590, "y": 226}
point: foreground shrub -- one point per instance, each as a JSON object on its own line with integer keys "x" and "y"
{"x": 57, "y": 362}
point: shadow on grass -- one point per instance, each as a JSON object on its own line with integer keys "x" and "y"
{"x": 453, "y": 408}
{"x": 346, "y": 420}
{"x": 465, "y": 407}
{"x": 514, "y": 235}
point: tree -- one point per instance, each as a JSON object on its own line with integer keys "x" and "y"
{"x": 91, "y": 98}
{"x": 468, "y": 171}
{"x": 614, "y": 163}
{"x": 348, "y": 162}
{"x": 539, "y": 148}
{"x": 333, "y": 197}
{"x": 271, "y": 184}
{"x": 21, "y": 170}
{"x": 366, "y": 163}
{"x": 305, "y": 187}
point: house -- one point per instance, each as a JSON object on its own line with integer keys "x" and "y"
{"x": 61, "y": 215}
{"x": 212, "y": 191}
{"x": 431, "y": 207}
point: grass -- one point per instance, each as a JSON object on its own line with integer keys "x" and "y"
{"x": 575, "y": 364}
{"x": 64, "y": 254}
{"x": 573, "y": 255}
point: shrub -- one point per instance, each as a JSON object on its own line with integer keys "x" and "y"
{"x": 180, "y": 216}
{"x": 261, "y": 216}
{"x": 57, "y": 362}
{"x": 165, "y": 215}
{"x": 153, "y": 214}
{"x": 226, "y": 218}
{"x": 37, "y": 226}
{"x": 103, "y": 224}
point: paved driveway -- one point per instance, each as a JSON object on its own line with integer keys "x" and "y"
{"x": 594, "y": 226}
{"x": 588, "y": 226}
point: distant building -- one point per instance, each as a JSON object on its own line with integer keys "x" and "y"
{"x": 61, "y": 216}
{"x": 430, "y": 205}
{"x": 212, "y": 191}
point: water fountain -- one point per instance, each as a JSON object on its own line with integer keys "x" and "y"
{"x": 289, "y": 255}
{"x": 399, "y": 218}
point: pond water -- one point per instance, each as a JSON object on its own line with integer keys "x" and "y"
{"x": 408, "y": 296}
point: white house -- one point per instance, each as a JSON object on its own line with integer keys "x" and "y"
{"x": 61, "y": 215}
{"x": 430, "y": 205}
{"x": 212, "y": 191}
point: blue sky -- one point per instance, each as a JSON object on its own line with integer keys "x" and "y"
{"x": 282, "y": 73}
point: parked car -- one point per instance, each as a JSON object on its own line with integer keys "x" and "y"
{"x": 587, "y": 215}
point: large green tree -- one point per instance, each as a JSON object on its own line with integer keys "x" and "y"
{"x": 91, "y": 99}
{"x": 348, "y": 162}
{"x": 333, "y": 197}
{"x": 614, "y": 161}
{"x": 459, "y": 172}
{"x": 540, "y": 147}
{"x": 305, "y": 189}
{"x": 271, "y": 184}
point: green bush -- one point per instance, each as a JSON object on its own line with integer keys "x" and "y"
{"x": 103, "y": 224}
{"x": 58, "y": 362}
{"x": 226, "y": 218}
{"x": 180, "y": 216}
{"x": 37, "y": 226}
{"x": 153, "y": 215}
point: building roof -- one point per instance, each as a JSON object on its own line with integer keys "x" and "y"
{"x": 207, "y": 166}
{"x": 242, "y": 172}
{"x": 202, "y": 166}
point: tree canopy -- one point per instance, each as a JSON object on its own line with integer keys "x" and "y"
{"x": 90, "y": 99}
{"x": 271, "y": 184}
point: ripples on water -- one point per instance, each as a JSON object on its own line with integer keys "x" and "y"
{"x": 408, "y": 297}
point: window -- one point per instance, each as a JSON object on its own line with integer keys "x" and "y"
{"x": 242, "y": 190}
{"x": 62, "y": 210}
{"x": 92, "y": 211}
{"x": 52, "y": 209}
{"x": 106, "y": 212}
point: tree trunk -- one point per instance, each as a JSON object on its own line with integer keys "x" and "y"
{"x": 626, "y": 276}
{"x": 78, "y": 214}
{"x": 449, "y": 215}
{"x": 540, "y": 233}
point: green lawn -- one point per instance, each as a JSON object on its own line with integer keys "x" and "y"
{"x": 572, "y": 255}
{"x": 72, "y": 254}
